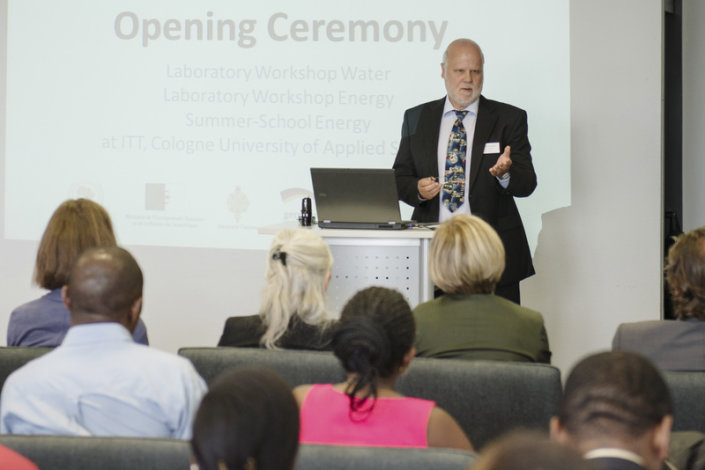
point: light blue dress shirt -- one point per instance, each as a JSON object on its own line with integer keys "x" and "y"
{"x": 100, "y": 382}
{"x": 447, "y": 120}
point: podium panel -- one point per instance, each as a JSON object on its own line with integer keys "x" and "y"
{"x": 364, "y": 262}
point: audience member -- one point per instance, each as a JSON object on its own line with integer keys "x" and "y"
{"x": 99, "y": 381}
{"x": 616, "y": 409}
{"x": 470, "y": 322}
{"x": 247, "y": 420}
{"x": 374, "y": 342}
{"x": 675, "y": 345}
{"x": 293, "y": 305}
{"x": 526, "y": 450}
{"x": 11, "y": 460}
{"x": 77, "y": 224}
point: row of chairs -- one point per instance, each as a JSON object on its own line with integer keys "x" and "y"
{"x": 487, "y": 398}
{"x": 118, "y": 453}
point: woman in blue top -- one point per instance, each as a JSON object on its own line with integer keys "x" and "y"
{"x": 77, "y": 224}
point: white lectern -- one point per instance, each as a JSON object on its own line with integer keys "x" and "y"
{"x": 361, "y": 258}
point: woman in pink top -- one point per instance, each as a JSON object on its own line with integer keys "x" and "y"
{"x": 374, "y": 342}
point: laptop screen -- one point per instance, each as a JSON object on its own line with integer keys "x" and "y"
{"x": 355, "y": 195}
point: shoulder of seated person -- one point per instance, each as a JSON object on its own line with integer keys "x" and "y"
{"x": 300, "y": 392}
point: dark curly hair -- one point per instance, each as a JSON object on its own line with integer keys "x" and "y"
{"x": 685, "y": 275}
{"x": 376, "y": 329}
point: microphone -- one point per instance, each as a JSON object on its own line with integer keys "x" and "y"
{"x": 306, "y": 211}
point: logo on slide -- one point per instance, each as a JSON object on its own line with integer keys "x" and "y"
{"x": 156, "y": 196}
{"x": 238, "y": 203}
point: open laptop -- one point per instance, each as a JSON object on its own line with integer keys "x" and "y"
{"x": 357, "y": 198}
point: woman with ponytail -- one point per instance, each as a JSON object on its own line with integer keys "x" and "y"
{"x": 374, "y": 342}
{"x": 293, "y": 304}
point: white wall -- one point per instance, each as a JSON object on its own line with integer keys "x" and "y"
{"x": 598, "y": 260}
{"x": 693, "y": 114}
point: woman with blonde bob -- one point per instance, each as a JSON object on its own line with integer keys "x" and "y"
{"x": 75, "y": 226}
{"x": 292, "y": 310}
{"x": 469, "y": 322}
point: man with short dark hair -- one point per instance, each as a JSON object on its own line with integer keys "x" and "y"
{"x": 99, "y": 381}
{"x": 617, "y": 410}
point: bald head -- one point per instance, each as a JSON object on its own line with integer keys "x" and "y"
{"x": 105, "y": 285}
{"x": 463, "y": 44}
{"x": 462, "y": 70}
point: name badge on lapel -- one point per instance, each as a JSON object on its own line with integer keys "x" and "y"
{"x": 491, "y": 147}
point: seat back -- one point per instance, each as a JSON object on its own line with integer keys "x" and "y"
{"x": 298, "y": 367}
{"x": 687, "y": 392}
{"x": 106, "y": 453}
{"x": 487, "y": 398}
{"x": 118, "y": 453}
{"x": 14, "y": 357}
{"x": 317, "y": 457}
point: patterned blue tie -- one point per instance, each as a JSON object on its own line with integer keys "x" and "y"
{"x": 453, "y": 192}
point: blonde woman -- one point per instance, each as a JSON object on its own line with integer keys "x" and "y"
{"x": 469, "y": 322}
{"x": 292, "y": 310}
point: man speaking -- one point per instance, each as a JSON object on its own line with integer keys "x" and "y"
{"x": 467, "y": 154}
